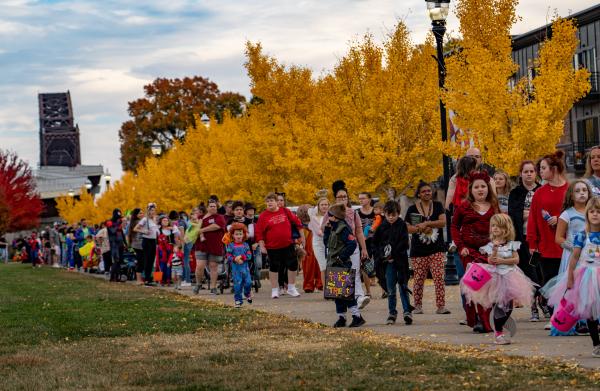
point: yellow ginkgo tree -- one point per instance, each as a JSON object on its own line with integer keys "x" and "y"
{"x": 510, "y": 122}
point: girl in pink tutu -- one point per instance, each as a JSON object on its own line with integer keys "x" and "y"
{"x": 580, "y": 285}
{"x": 508, "y": 286}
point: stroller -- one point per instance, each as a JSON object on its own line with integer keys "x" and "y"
{"x": 124, "y": 271}
{"x": 224, "y": 280}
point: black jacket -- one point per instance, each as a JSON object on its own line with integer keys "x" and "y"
{"x": 516, "y": 204}
{"x": 395, "y": 235}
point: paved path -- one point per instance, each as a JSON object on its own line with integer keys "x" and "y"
{"x": 531, "y": 339}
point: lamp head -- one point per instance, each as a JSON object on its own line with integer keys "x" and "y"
{"x": 438, "y": 10}
{"x": 205, "y": 120}
{"x": 156, "y": 148}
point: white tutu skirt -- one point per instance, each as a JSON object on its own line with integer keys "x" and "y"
{"x": 585, "y": 294}
{"x": 512, "y": 286}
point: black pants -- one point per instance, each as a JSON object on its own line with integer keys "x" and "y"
{"x": 592, "y": 325}
{"x": 77, "y": 258}
{"x": 107, "y": 261}
{"x": 149, "y": 248}
{"x": 501, "y": 315}
{"x": 531, "y": 268}
{"x": 281, "y": 260}
{"x": 139, "y": 257}
{"x": 549, "y": 268}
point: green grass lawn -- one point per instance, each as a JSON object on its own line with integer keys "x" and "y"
{"x": 62, "y": 330}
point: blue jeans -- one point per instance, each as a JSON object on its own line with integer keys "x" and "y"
{"x": 394, "y": 277}
{"x": 187, "y": 273}
{"x": 460, "y": 270}
{"x": 241, "y": 281}
{"x": 166, "y": 270}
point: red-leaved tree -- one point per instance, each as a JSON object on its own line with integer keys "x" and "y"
{"x": 21, "y": 204}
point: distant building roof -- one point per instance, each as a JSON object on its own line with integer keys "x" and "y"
{"x": 56, "y": 181}
{"x": 586, "y": 16}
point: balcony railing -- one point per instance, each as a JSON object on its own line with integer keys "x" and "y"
{"x": 595, "y": 82}
{"x": 575, "y": 155}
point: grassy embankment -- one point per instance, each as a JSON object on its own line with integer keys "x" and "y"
{"x": 61, "y": 330}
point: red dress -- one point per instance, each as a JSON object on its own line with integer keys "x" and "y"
{"x": 310, "y": 266}
{"x": 471, "y": 230}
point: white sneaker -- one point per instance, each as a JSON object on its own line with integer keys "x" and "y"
{"x": 281, "y": 292}
{"x": 363, "y": 301}
{"x": 292, "y": 291}
{"x": 596, "y": 351}
{"x": 548, "y": 326}
{"x": 275, "y": 293}
{"x": 185, "y": 284}
{"x": 502, "y": 339}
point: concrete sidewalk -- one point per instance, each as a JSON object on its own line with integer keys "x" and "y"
{"x": 531, "y": 338}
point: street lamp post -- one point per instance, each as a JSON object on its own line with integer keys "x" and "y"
{"x": 107, "y": 178}
{"x": 438, "y": 12}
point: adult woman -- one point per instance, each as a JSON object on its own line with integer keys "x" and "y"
{"x": 148, "y": 227}
{"x": 134, "y": 240}
{"x": 519, "y": 203}
{"x": 282, "y": 277}
{"x": 425, "y": 221}
{"x": 503, "y": 188}
{"x": 102, "y": 241}
{"x": 353, "y": 220}
{"x": 470, "y": 231}
{"x": 116, "y": 237}
{"x": 546, "y": 206}
{"x": 317, "y": 214}
{"x": 459, "y": 183}
{"x": 367, "y": 218}
{"x": 210, "y": 248}
{"x": 274, "y": 235}
{"x": 592, "y": 169}
{"x": 310, "y": 267}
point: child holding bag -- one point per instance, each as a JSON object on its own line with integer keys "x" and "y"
{"x": 580, "y": 285}
{"x": 508, "y": 285}
{"x": 340, "y": 245}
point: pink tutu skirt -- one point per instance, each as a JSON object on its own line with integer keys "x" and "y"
{"x": 512, "y": 286}
{"x": 585, "y": 295}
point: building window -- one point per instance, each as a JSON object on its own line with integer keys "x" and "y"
{"x": 587, "y": 132}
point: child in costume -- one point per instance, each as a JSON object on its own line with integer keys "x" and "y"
{"x": 508, "y": 286}
{"x": 238, "y": 254}
{"x": 87, "y": 253}
{"x": 340, "y": 245}
{"x": 580, "y": 284}
{"x": 176, "y": 265}
{"x": 570, "y": 223}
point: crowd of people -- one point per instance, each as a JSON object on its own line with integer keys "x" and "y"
{"x": 535, "y": 244}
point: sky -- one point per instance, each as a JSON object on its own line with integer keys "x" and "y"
{"x": 105, "y": 51}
